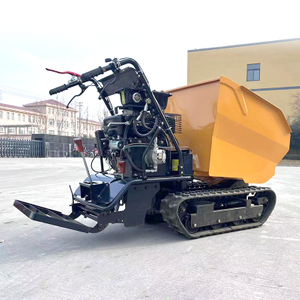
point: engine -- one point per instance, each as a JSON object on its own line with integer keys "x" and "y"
{"x": 132, "y": 141}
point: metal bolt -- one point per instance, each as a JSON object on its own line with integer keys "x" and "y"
{"x": 219, "y": 221}
{"x": 259, "y": 214}
{"x": 240, "y": 217}
{"x": 195, "y": 225}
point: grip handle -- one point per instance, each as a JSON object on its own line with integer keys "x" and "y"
{"x": 58, "y": 89}
{"x": 88, "y": 75}
{"x": 78, "y": 142}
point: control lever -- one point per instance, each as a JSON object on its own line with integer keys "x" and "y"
{"x": 65, "y": 72}
{"x": 78, "y": 142}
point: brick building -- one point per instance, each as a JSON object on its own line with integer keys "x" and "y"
{"x": 49, "y": 117}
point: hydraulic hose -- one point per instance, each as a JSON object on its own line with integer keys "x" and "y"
{"x": 144, "y": 134}
{"x": 144, "y": 121}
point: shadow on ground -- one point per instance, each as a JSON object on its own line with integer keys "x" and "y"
{"x": 45, "y": 240}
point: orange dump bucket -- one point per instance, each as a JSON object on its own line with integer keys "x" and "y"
{"x": 233, "y": 132}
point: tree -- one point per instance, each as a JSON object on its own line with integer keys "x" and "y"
{"x": 61, "y": 117}
{"x": 101, "y": 114}
{"x": 295, "y": 125}
{"x": 40, "y": 122}
{"x": 295, "y": 120}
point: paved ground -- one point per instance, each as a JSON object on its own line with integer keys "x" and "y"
{"x": 290, "y": 163}
{"x": 39, "y": 261}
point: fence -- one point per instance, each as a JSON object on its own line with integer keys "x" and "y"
{"x": 20, "y": 148}
{"x": 61, "y": 146}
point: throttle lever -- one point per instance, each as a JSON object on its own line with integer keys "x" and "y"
{"x": 65, "y": 72}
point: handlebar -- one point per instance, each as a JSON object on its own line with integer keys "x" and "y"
{"x": 63, "y": 87}
{"x": 93, "y": 73}
{"x": 115, "y": 64}
{"x": 83, "y": 78}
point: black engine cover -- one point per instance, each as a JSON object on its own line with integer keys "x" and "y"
{"x": 114, "y": 129}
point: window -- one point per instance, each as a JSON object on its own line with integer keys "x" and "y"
{"x": 1, "y": 115}
{"x": 52, "y": 111}
{"x": 1, "y": 129}
{"x": 7, "y": 115}
{"x": 11, "y": 130}
{"x": 29, "y": 119}
{"x": 19, "y": 117}
{"x": 12, "y": 116}
{"x": 49, "y": 110}
{"x": 51, "y": 122}
{"x": 23, "y": 118}
{"x": 29, "y": 130}
{"x": 51, "y": 131}
{"x": 253, "y": 72}
{"x": 22, "y": 130}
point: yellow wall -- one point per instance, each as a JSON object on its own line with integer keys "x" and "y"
{"x": 279, "y": 68}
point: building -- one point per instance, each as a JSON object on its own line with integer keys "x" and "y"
{"x": 49, "y": 117}
{"x": 270, "y": 69}
{"x": 86, "y": 127}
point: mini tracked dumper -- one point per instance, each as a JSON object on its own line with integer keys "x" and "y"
{"x": 186, "y": 156}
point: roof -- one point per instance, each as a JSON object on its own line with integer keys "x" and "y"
{"x": 31, "y": 107}
{"x": 245, "y": 45}
{"x": 17, "y": 107}
{"x": 45, "y": 102}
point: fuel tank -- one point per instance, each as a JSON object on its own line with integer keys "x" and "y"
{"x": 233, "y": 132}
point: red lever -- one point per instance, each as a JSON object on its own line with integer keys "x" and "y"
{"x": 78, "y": 142}
{"x": 122, "y": 165}
{"x": 66, "y": 72}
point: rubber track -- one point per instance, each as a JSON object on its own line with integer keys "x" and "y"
{"x": 170, "y": 204}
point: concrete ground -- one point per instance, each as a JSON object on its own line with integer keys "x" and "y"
{"x": 39, "y": 261}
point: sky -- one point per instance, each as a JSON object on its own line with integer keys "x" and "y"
{"x": 78, "y": 36}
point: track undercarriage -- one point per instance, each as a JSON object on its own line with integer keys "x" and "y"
{"x": 213, "y": 211}
{"x": 194, "y": 213}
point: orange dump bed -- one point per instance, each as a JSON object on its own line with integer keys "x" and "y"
{"x": 233, "y": 132}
